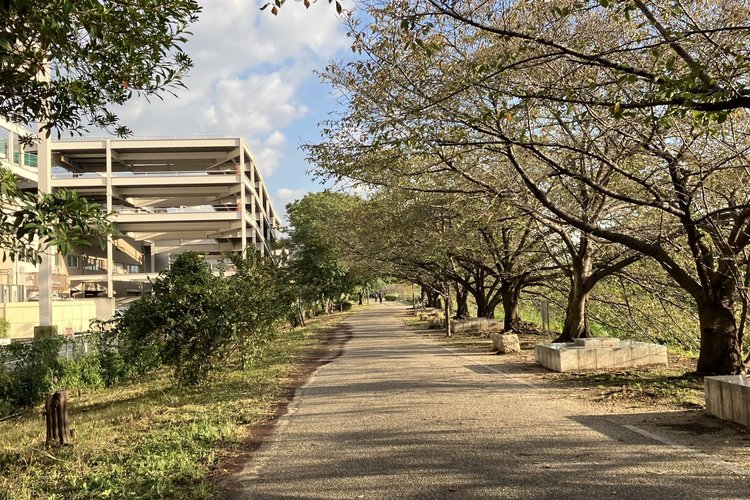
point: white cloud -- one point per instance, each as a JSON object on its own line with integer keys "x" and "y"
{"x": 249, "y": 68}
{"x": 269, "y": 152}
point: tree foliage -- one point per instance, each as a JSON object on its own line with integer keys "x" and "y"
{"x": 65, "y": 63}
{"x": 195, "y": 321}
{"x": 30, "y": 224}
{"x": 316, "y": 258}
{"x": 611, "y": 123}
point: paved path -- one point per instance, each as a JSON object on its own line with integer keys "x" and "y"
{"x": 398, "y": 416}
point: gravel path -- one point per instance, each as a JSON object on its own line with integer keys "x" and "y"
{"x": 398, "y": 416}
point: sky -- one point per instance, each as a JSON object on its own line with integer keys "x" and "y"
{"x": 253, "y": 77}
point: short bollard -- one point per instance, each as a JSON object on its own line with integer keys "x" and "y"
{"x": 56, "y": 415}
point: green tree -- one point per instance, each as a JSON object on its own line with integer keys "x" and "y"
{"x": 261, "y": 300}
{"x": 315, "y": 260}
{"x": 67, "y": 62}
{"x": 619, "y": 102}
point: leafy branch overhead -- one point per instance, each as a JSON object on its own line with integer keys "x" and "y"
{"x": 277, "y": 4}
{"x": 62, "y": 220}
{"x": 66, "y": 63}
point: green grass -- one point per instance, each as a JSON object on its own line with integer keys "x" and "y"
{"x": 149, "y": 438}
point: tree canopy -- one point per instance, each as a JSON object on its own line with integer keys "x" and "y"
{"x": 65, "y": 63}
{"x": 619, "y": 126}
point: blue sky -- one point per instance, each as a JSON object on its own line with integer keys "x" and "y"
{"x": 253, "y": 77}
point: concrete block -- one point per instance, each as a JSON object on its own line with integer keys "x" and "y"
{"x": 568, "y": 359}
{"x": 609, "y": 341}
{"x": 586, "y": 359}
{"x": 713, "y": 396}
{"x": 726, "y": 411}
{"x": 605, "y": 358}
{"x": 740, "y": 395}
{"x": 588, "y": 342}
{"x": 622, "y": 357}
{"x": 641, "y": 354}
{"x": 41, "y": 332}
{"x": 658, "y": 355}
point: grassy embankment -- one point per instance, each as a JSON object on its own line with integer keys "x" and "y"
{"x": 149, "y": 438}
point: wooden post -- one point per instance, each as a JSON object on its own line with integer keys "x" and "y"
{"x": 56, "y": 416}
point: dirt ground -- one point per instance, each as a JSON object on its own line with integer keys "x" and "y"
{"x": 667, "y": 401}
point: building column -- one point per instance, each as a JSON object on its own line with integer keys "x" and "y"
{"x": 110, "y": 249}
{"x": 243, "y": 200}
{"x": 44, "y": 186}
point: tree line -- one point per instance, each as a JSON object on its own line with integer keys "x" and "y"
{"x": 581, "y": 139}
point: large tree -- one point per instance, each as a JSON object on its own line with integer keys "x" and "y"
{"x": 316, "y": 260}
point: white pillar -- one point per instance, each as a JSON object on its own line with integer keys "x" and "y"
{"x": 11, "y": 145}
{"x": 243, "y": 200}
{"x": 110, "y": 250}
{"x": 44, "y": 186}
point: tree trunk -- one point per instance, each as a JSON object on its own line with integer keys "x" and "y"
{"x": 433, "y": 300}
{"x": 511, "y": 314}
{"x": 721, "y": 352}
{"x": 485, "y": 309}
{"x": 359, "y": 294}
{"x": 462, "y": 302}
{"x": 576, "y": 324}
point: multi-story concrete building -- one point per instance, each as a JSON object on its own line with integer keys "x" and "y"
{"x": 165, "y": 196}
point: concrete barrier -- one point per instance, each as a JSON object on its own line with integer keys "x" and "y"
{"x": 728, "y": 398}
{"x": 482, "y": 325}
{"x": 599, "y": 354}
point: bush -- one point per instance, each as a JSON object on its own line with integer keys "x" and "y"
{"x": 82, "y": 371}
{"x": 4, "y": 327}
{"x": 391, "y": 297}
{"x": 34, "y": 373}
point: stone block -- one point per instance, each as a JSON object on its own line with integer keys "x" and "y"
{"x": 586, "y": 359}
{"x": 505, "y": 343}
{"x": 605, "y": 357}
{"x": 622, "y": 357}
{"x": 568, "y": 359}
{"x": 641, "y": 354}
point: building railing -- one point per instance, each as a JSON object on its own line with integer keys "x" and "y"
{"x": 30, "y": 159}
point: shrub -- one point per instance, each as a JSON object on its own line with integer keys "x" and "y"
{"x": 391, "y": 297}
{"x": 82, "y": 371}
{"x": 4, "y": 328}
{"x": 36, "y": 368}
